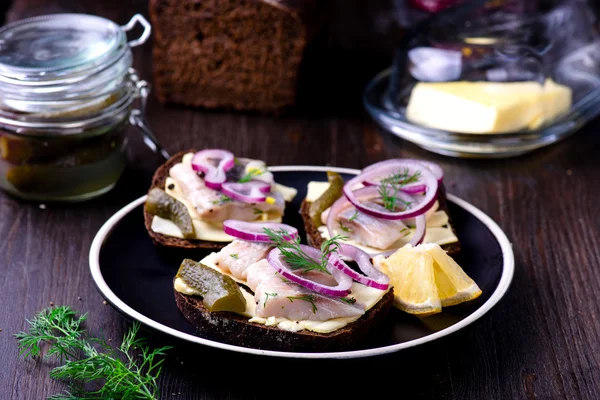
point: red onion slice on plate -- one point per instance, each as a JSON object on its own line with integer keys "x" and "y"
{"x": 414, "y": 205}
{"x": 214, "y": 175}
{"x": 248, "y": 192}
{"x": 435, "y": 169}
{"x": 255, "y": 231}
{"x": 275, "y": 259}
{"x": 372, "y": 277}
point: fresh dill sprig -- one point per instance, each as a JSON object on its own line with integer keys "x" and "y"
{"x": 234, "y": 256}
{"x": 391, "y": 185}
{"x": 267, "y": 295}
{"x": 344, "y": 227}
{"x": 296, "y": 257}
{"x": 258, "y": 211}
{"x": 222, "y": 199}
{"x": 251, "y": 174}
{"x": 354, "y": 216}
{"x": 307, "y": 297}
{"x": 129, "y": 372}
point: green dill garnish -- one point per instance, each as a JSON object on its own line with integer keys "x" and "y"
{"x": 354, "y": 216}
{"x": 222, "y": 199}
{"x": 93, "y": 369}
{"x": 293, "y": 254}
{"x": 402, "y": 178}
{"x": 390, "y": 186}
{"x": 406, "y": 231}
{"x": 234, "y": 255}
{"x": 349, "y": 300}
{"x": 307, "y": 297}
{"x": 257, "y": 211}
{"x": 344, "y": 227}
{"x": 267, "y": 298}
{"x": 251, "y": 174}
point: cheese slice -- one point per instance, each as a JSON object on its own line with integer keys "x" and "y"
{"x": 487, "y": 107}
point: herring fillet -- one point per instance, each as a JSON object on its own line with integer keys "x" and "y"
{"x": 238, "y": 255}
{"x": 277, "y": 297}
{"x": 368, "y": 230}
{"x": 213, "y": 206}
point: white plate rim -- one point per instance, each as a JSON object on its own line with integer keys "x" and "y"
{"x": 503, "y": 284}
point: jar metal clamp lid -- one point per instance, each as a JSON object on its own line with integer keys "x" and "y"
{"x": 62, "y": 73}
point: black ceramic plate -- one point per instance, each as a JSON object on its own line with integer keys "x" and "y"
{"x": 127, "y": 268}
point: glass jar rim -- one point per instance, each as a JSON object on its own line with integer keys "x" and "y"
{"x": 57, "y": 48}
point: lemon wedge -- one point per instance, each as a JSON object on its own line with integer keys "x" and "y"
{"x": 425, "y": 279}
{"x": 413, "y": 280}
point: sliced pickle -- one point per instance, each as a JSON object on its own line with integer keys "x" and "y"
{"x": 15, "y": 151}
{"x": 161, "y": 204}
{"x": 219, "y": 292}
{"x": 333, "y": 192}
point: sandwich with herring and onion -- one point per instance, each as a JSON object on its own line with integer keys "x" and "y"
{"x": 268, "y": 291}
{"x": 195, "y": 191}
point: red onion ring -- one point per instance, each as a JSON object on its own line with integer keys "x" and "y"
{"x": 419, "y": 235}
{"x": 421, "y": 227}
{"x": 248, "y": 192}
{"x": 385, "y": 169}
{"x": 275, "y": 259}
{"x": 213, "y": 176}
{"x": 435, "y": 169}
{"x": 408, "y": 189}
{"x": 372, "y": 277}
{"x": 255, "y": 231}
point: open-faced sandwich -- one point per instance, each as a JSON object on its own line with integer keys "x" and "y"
{"x": 388, "y": 205}
{"x": 195, "y": 191}
{"x": 265, "y": 290}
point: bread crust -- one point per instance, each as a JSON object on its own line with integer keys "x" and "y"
{"x": 314, "y": 239}
{"x": 235, "y": 329}
{"x": 168, "y": 242}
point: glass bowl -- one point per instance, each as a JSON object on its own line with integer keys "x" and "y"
{"x": 500, "y": 43}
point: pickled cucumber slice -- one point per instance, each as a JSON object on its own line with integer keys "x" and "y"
{"x": 161, "y": 204}
{"x": 62, "y": 151}
{"x": 333, "y": 192}
{"x": 219, "y": 292}
{"x": 15, "y": 151}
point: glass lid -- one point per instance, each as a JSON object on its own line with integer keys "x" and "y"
{"x": 53, "y": 46}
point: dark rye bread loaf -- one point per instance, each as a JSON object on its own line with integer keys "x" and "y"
{"x": 232, "y": 54}
{"x": 169, "y": 242}
{"x": 313, "y": 236}
{"x": 235, "y": 329}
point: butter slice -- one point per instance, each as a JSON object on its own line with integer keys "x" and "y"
{"x": 487, "y": 107}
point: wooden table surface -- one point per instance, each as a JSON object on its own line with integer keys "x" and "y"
{"x": 539, "y": 342}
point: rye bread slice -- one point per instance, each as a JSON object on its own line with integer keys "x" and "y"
{"x": 235, "y": 329}
{"x": 168, "y": 242}
{"x": 314, "y": 239}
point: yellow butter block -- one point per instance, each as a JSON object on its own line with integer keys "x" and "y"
{"x": 487, "y": 107}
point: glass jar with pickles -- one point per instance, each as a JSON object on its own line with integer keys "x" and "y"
{"x": 67, "y": 96}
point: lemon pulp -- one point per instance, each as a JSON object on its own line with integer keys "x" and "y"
{"x": 425, "y": 279}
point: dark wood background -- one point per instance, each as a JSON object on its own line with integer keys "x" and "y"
{"x": 539, "y": 342}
